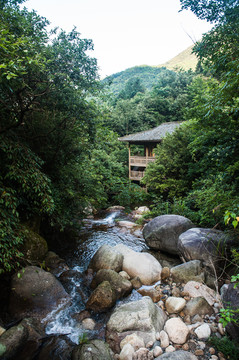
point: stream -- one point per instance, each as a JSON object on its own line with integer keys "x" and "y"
{"x": 64, "y": 322}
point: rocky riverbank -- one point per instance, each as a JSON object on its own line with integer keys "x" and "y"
{"x": 153, "y": 307}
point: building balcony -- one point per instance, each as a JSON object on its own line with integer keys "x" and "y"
{"x": 141, "y": 161}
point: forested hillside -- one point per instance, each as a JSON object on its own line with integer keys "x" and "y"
{"x": 59, "y": 126}
{"x": 150, "y": 75}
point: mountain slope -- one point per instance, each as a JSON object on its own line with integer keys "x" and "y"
{"x": 149, "y": 75}
{"x": 185, "y": 60}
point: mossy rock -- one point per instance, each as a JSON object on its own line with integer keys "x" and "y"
{"x": 34, "y": 246}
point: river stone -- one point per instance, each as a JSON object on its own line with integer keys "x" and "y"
{"x": 107, "y": 257}
{"x": 195, "y": 289}
{"x": 141, "y": 317}
{"x": 143, "y": 265}
{"x": 121, "y": 286}
{"x": 230, "y": 299}
{"x": 134, "y": 340}
{"x": 177, "y": 331}
{"x": 177, "y": 355}
{"x": 164, "y": 339}
{"x": 55, "y": 264}
{"x": 93, "y": 350}
{"x": 143, "y": 354}
{"x": 12, "y": 341}
{"x": 198, "y": 305}
{"x": 35, "y": 293}
{"x": 162, "y": 232}
{"x": 175, "y": 304}
{"x": 126, "y": 352}
{"x": 102, "y": 298}
{"x": 202, "y": 244}
{"x": 185, "y": 272}
{"x": 203, "y": 331}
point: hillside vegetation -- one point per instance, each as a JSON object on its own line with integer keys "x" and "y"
{"x": 149, "y": 75}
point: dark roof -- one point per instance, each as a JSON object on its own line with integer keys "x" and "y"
{"x": 152, "y": 135}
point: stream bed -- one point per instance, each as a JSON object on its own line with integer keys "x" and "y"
{"x": 63, "y": 323}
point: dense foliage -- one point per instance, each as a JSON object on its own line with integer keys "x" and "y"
{"x": 54, "y": 156}
{"x": 206, "y": 179}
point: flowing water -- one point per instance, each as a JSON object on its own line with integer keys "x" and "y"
{"x": 94, "y": 233}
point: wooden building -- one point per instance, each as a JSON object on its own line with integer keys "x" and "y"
{"x": 144, "y": 143}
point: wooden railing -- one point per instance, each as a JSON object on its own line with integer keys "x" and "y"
{"x": 136, "y": 175}
{"x": 141, "y": 160}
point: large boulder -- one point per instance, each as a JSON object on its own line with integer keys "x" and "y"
{"x": 35, "y": 292}
{"x": 102, "y": 298}
{"x": 143, "y": 265}
{"x": 107, "y": 257}
{"x": 191, "y": 270}
{"x": 162, "y": 232}
{"x": 198, "y": 306}
{"x": 121, "y": 286}
{"x": 195, "y": 289}
{"x": 12, "y": 341}
{"x": 141, "y": 317}
{"x": 202, "y": 244}
{"x": 230, "y": 299}
{"x": 92, "y": 350}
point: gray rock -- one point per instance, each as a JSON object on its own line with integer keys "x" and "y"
{"x": 121, "y": 286}
{"x": 203, "y": 331}
{"x": 230, "y": 299}
{"x": 36, "y": 292}
{"x": 12, "y": 341}
{"x": 185, "y": 272}
{"x": 199, "y": 306}
{"x": 202, "y": 244}
{"x": 107, "y": 257}
{"x": 175, "y": 304}
{"x": 177, "y": 355}
{"x": 162, "y": 232}
{"x": 142, "y": 317}
{"x": 93, "y": 350}
{"x": 102, "y": 298}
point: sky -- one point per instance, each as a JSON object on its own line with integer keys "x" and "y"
{"x": 126, "y": 33}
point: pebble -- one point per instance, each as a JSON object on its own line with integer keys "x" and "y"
{"x": 214, "y": 357}
{"x": 202, "y": 345}
{"x": 212, "y": 351}
{"x": 157, "y": 351}
{"x": 149, "y": 345}
{"x": 170, "y": 349}
{"x": 199, "y": 352}
{"x": 185, "y": 347}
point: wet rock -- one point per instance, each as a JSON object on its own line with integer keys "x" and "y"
{"x": 143, "y": 265}
{"x": 154, "y": 294}
{"x": 185, "y": 272}
{"x": 12, "y": 341}
{"x": 175, "y": 304}
{"x": 163, "y": 231}
{"x": 198, "y": 306}
{"x": 88, "y": 324}
{"x": 102, "y": 298}
{"x": 176, "y": 330}
{"x": 177, "y": 355}
{"x": 136, "y": 283}
{"x": 124, "y": 275}
{"x": 121, "y": 286}
{"x": 55, "y": 264}
{"x": 195, "y": 289}
{"x": 203, "y": 331}
{"x": 107, "y": 257}
{"x": 142, "y": 317}
{"x": 93, "y": 350}
{"x": 202, "y": 244}
{"x": 36, "y": 292}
